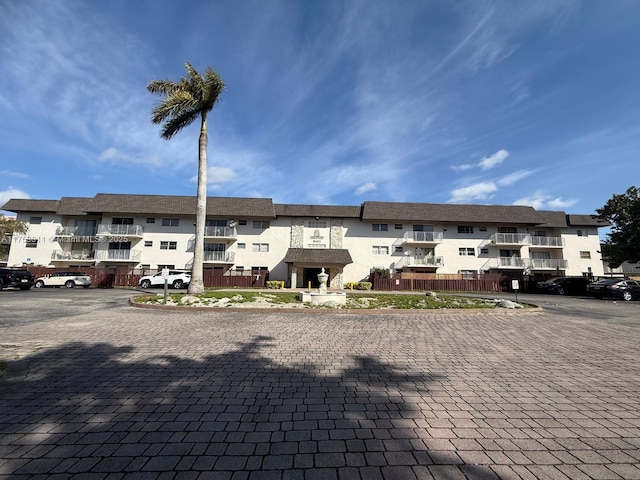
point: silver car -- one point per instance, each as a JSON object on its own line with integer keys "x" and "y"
{"x": 64, "y": 279}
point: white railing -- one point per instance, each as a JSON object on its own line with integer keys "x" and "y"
{"x": 62, "y": 255}
{"x": 221, "y": 257}
{"x": 75, "y": 231}
{"x": 422, "y": 237}
{"x": 226, "y": 232}
{"x": 420, "y": 261}
{"x": 124, "y": 230}
{"x": 510, "y": 238}
{"x": 547, "y": 241}
{"x": 548, "y": 263}
{"x": 119, "y": 255}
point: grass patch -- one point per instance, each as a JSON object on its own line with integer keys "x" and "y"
{"x": 372, "y": 301}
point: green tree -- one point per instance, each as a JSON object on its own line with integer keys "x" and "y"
{"x": 8, "y": 227}
{"x": 623, "y": 242}
{"x": 181, "y": 103}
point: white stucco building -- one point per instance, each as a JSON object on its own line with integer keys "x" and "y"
{"x": 293, "y": 241}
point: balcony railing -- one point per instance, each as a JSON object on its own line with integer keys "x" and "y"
{"x": 220, "y": 232}
{"x": 65, "y": 255}
{"x": 420, "y": 261}
{"x": 546, "y": 242}
{"x": 219, "y": 257}
{"x": 422, "y": 237}
{"x": 121, "y": 230}
{"x": 75, "y": 231}
{"x": 510, "y": 239}
{"x": 119, "y": 255}
{"x": 548, "y": 264}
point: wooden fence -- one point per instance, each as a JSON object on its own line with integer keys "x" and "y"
{"x": 122, "y": 277}
{"x": 432, "y": 281}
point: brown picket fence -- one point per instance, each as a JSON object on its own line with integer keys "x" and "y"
{"x": 438, "y": 282}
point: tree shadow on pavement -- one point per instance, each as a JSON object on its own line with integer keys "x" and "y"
{"x": 105, "y": 411}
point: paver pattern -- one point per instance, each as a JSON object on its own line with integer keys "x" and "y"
{"x": 148, "y": 394}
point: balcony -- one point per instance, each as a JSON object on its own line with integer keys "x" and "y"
{"x": 124, "y": 256}
{"x": 510, "y": 239}
{"x": 546, "y": 242}
{"x": 548, "y": 264}
{"x": 75, "y": 232}
{"x": 422, "y": 238}
{"x": 72, "y": 256}
{"x": 120, "y": 231}
{"x": 221, "y": 233}
{"x": 506, "y": 263}
{"x": 219, "y": 257}
{"x": 420, "y": 261}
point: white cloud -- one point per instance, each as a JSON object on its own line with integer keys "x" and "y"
{"x": 514, "y": 177}
{"x": 486, "y": 163}
{"x": 541, "y": 200}
{"x": 10, "y": 193}
{"x": 9, "y": 173}
{"x": 367, "y": 187}
{"x": 217, "y": 175}
{"x": 478, "y": 191}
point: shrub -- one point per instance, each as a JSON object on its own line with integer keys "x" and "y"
{"x": 275, "y": 284}
{"x": 358, "y": 285}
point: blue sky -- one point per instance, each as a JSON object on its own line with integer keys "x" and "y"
{"x": 327, "y": 101}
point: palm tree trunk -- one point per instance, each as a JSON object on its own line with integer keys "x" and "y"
{"x": 197, "y": 282}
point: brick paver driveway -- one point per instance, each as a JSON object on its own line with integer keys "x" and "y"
{"x": 224, "y": 394}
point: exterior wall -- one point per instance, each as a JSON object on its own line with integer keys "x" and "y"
{"x": 283, "y": 233}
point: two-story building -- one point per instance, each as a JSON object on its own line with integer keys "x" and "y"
{"x": 293, "y": 242}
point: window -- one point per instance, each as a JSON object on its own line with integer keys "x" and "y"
{"x": 31, "y": 243}
{"x": 380, "y": 250}
{"x": 507, "y": 230}
{"x": 160, "y": 266}
{"x": 242, "y": 246}
{"x": 260, "y": 224}
{"x": 35, "y": 220}
{"x": 398, "y": 226}
{"x": 482, "y": 228}
{"x": 242, "y": 222}
{"x": 317, "y": 224}
{"x": 583, "y": 233}
{"x": 423, "y": 228}
{"x": 148, "y": 243}
{"x": 539, "y": 233}
{"x": 466, "y": 252}
{"x": 585, "y": 255}
{"x": 260, "y": 247}
{"x": 380, "y": 227}
{"x": 170, "y": 222}
{"x": 484, "y": 251}
{"x": 398, "y": 250}
{"x": 122, "y": 221}
{"x": 151, "y": 220}
{"x": 145, "y": 266}
{"x": 168, "y": 245}
{"x": 465, "y": 228}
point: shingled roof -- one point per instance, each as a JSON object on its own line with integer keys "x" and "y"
{"x": 30, "y": 205}
{"x": 551, "y": 219}
{"x": 445, "y": 212}
{"x": 73, "y": 206}
{"x": 324, "y": 256}
{"x": 587, "y": 221}
{"x": 333, "y": 211}
{"x": 180, "y": 205}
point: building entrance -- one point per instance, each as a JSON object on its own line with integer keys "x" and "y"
{"x": 311, "y": 275}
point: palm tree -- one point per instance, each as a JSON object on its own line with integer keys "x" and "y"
{"x": 181, "y": 103}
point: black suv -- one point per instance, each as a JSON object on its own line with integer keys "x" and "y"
{"x": 18, "y": 278}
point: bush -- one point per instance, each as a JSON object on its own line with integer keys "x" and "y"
{"x": 275, "y": 284}
{"x": 358, "y": 285}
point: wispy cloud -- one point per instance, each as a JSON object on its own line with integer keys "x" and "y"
{"x": 9, "y": 173}
{"x": 367, "y": 187}
{"x": 541, "y": 200}
{"x": 11, "y": 192}
{"x": 477, "y": 191}
{"x": 486, "y": 163}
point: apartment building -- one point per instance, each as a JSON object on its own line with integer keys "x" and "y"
{"x": 293, "y": 242}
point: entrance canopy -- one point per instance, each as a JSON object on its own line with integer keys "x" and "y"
{"x": 318, "y": 256}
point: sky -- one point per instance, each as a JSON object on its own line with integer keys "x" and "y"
{"x": 331, "y": 102}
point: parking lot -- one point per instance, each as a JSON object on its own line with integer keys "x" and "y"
{"x": 95, "y": 388}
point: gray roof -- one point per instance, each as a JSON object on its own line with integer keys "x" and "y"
{"x": 450, "y": 212}
{"x": 552, "y": 219}
{"x": 334, "y": 211}
{"x": 73, "y": 206}
{"x": 30, "y": 205}
{"x": 587, "y": 221}
{"x": 320, "y": 256}
{"x": 181, "y": 205}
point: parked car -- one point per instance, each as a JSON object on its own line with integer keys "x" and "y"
{"x": 615, "y": 287}
{"x": 176, "y": 279}
{"x": 64, "y": 279}
{"x": 564, "y": 285}
{"x": 16, "y": 277}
